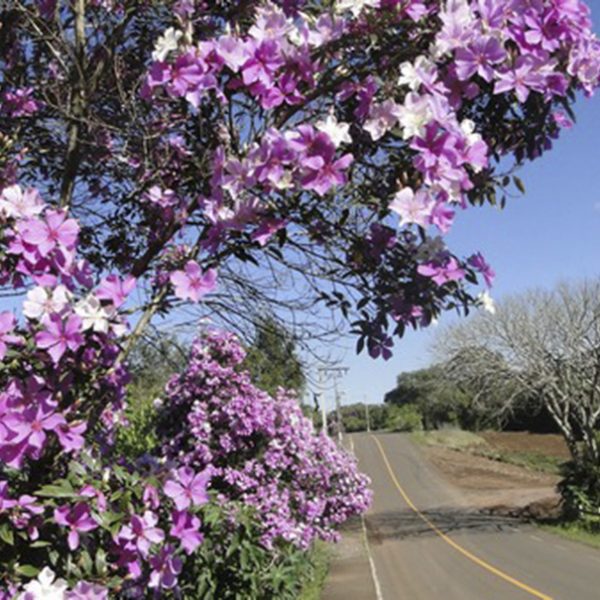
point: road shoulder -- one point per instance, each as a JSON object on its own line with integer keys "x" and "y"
{"x": 350, "y": 575}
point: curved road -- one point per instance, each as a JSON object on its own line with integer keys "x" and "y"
{"x": 426, "y": 544}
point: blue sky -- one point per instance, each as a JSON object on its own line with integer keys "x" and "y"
{"x": 550, "y": 234}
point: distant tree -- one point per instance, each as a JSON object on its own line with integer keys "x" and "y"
{"x": 540, "y": 344}
{"x": 272, "y": 359}
{"x": 406, "y": 417}
{"x": 439, "y": 400}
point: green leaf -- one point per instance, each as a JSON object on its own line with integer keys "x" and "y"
{"x": 520, "y": 186}
{"x": 27, "y": 570}
{"x": 62, "y": 489}
{"x": 6, "y": 534}
{"x": 101, "y": 562}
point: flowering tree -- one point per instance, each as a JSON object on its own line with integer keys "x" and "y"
{"x": 166, "y": 148}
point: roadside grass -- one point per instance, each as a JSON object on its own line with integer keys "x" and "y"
{"x": 575, "y": 532}
{"x": 455, "y": 439}
{"x": 466, "y": 441}
{"x": 535, "y": 461}
{"x": 320, "y": 558}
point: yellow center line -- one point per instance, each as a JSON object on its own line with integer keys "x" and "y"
{"x": 478, "y": 561}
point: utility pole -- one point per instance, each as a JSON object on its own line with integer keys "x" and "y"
{"x": 322, "y": 402}
{"x": 367, "y": 416}
{"x": 336, "y": 373}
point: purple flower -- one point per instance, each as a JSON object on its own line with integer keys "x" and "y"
{"x": 442, "y": 217}
{"x": 59, "y": 335}
{"x": 142, "y": 531}
{"x": 380, "y": 345}
{"x": 263, "y": 64}
{"x": 477, "y": 261}
{"x": 115, "y": 289}
{"x": 77, "y": 519}
{"x": 186, "y": 529}
{"x": 19, "y": 103}
{"x": 87, "y": 591}
{"x": 267, "y": 229}
{"x": 189, "y": 488}
{"x": 191, "y": 283}
{"x": 522, "y": 78}
{"x": 441, "y": 273}
{"x": 7, "y": 324}
{"x": 5, "y": 501}
{"x": 70, "y": 436}
{"x": 55, "y": 230}
{"x": 165, "y": 569}
{"x": 478, "y": 58}
{"x": 27, "y": 429}
{"x": 328, "y": 176}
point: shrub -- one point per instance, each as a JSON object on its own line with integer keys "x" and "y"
{"x": 405, "y": 418}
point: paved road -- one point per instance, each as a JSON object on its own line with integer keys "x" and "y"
{"x": 427, "y": 544}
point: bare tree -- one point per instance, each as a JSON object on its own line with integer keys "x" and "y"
{"x": 540, "y": 343}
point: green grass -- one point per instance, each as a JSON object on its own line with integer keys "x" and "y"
{"x": 574, "y": 532}
{"x": 455, "y": 439}
{"x": 535, "y": 461}
{"x": 320, "y": 557}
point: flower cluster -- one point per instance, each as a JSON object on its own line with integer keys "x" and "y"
{"x": 515, "y": 59}
{"x": 262, "y": 450}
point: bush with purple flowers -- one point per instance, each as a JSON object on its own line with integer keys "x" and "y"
{"x": 262, "y": 451}
{"x": 150, "y": 152}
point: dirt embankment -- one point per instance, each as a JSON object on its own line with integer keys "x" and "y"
{"x": 499, "y": 487}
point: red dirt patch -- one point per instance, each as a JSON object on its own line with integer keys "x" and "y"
{"x": 497, "y": 487}
{"x": 523, "y": 441}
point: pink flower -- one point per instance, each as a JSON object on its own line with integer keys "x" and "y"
{"x": 189, "y": 490}
{"x": 7, "y": 324}
{"x": 525, "y": 76}
{"x": 25, "y": 432}
{"x": 165, "y": 569}
{"x": 77, "y": 519}
{"x": 87, "y": 591}
{"x": 55, "y": 230}
{"x": 191, "y": 283}
{"x": 19, "y": 103}
{"x": 142, "y": 531}
{"x": 186, "y": 530}
{"x": 478, "y": 58}
{"x": 59, "y": 335}
{"x": 115, "y": 289}
{"x": 442, "y": 272}
{"x": 478, "y": 262}
{"x": 70, "y": 436}
{"x": 412, "y": 208}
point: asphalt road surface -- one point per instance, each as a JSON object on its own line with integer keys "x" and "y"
{"x": 426, "y": 544}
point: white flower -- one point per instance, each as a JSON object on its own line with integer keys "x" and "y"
{"x": 412, "y": 74}
{"x": 93, "y": 315}
{"x": 412, "y": 208}
{"x": 167, "y": 42}
{"x": 468, "y": 128}
{"x": 40, "y": 302}
{"x": 487, "y": 302}
{"x": 18, "y": 204}
{"x": 337, "y": 131}
{"x": 414, "y": 115}
{"x": 45, "y": 587}
{"x": 355, "y": 6}
{"x": 382, "y": 117}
